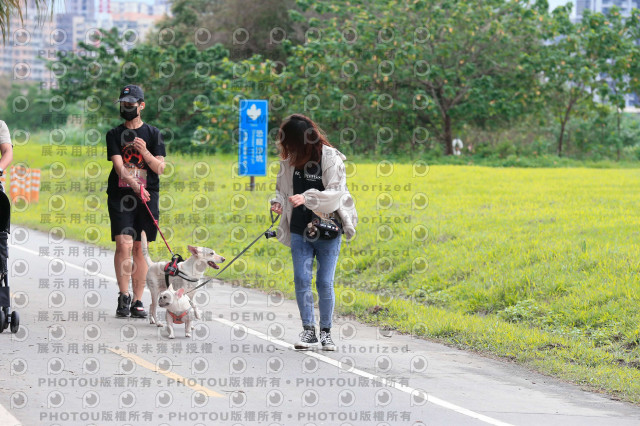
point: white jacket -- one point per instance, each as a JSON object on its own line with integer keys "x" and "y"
{"x": 335, "y": 197}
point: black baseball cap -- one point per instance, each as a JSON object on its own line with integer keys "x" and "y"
{"x": 131, "y": 93}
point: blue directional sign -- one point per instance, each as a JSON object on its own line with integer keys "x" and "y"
{"x": 252, "y": 155}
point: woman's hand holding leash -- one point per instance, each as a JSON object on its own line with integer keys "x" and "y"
{"x": 276, "y": 207}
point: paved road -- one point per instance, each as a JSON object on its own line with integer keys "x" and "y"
{"x": 73, "y": 362}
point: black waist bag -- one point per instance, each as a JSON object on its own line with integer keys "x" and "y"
{"x": 324, "y": 226}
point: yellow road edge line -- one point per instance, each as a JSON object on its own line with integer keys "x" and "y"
{"x": 178, "y": 378}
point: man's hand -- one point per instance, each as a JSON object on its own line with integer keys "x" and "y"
{"x": 297, "y": 200}
{"x": 140, "y": 145}
{"x": 144, "y": 195}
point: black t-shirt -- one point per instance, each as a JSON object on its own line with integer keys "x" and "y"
{"x": 303, "y": 179}
{"x": 120, "y": 142}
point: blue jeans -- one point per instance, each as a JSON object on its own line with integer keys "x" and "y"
{"x": 326, "y": 253}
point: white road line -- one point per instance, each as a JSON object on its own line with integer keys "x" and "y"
{"x": 6, "y": 418}
{"x": 69, "y": 264}
{"x": 346, "y": 367}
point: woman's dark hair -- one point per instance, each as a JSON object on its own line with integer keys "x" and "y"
{"x": 301, "y": 140}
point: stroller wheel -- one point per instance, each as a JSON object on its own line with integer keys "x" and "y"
{"x": 3, "y": 318}
{"x": 15, "y": 322}
{"x": 5, "y": 324}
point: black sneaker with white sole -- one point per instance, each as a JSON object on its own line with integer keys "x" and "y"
{"x": 137, "y": 310}
{"x": 308, "y": 338}
{"x": 124, "y": 302}
{"x": 325, "y": 339}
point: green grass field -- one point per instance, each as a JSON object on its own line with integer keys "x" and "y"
{"x": 536, "y": 265}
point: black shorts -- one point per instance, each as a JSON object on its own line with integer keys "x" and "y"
{"x": 129, "y": 216}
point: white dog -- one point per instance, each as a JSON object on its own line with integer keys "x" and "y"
{"x": 201, "y": 258}
{"x": 179, "y": 310}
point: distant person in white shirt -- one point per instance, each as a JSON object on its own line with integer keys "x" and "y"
{"x": 457, "y": 146}
{"x": 6, "y": 149}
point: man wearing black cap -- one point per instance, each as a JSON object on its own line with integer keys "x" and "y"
{"x": 137, "y": 152}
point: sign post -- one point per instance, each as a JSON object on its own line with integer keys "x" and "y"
{"x": 252, "y": 153}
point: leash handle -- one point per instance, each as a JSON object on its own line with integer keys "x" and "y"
{"x": 155, "y": 222}
{"x": 268, "y": 233}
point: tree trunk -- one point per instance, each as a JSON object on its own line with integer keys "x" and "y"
{"x": 619, "y": 141}
{"x": 560, "y": 138}
{"x": 563, "y": 124}
{"x": 448, "y": 137}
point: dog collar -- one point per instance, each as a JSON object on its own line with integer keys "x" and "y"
{"x": 177, "y": 319}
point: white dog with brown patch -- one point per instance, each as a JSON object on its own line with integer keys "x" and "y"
{"x": 179, "y": 310}
{"x": 201, "y": 258}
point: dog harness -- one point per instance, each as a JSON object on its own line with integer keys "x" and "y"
{"x": 177, "y": 319}
{"x": 171, "y": 270}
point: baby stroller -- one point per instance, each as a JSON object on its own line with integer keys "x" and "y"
{"x": 6, "y": 319}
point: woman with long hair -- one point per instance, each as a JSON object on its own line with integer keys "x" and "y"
{"x": 311, "y": 185}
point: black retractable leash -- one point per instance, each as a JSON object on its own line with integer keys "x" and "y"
{"x": 267, "y": 234}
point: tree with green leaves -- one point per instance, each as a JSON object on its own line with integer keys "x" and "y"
{"x": 176, "y": 81}
{"x": 387, "y": 74}
{"x": 618, "y": 47}
{"x": 30, "y": 109}
{"x": 587, "y": 66}
{"x": 244, "y": 27}
{"x": 472, "y": 61}
{"x": 382, "y": 77}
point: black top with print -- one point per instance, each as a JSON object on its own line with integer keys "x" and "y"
{"x": 308, "y": 177}
{"x": 120, "y": 142}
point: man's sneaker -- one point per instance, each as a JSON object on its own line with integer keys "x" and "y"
{"x": 325, "y": 339}
{"x": 137, "y": 310}
{"x": 307, "y": 338}
{"x": 124, "y": 300}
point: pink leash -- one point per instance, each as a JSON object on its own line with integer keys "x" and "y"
{"x": 155, "y": 222}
